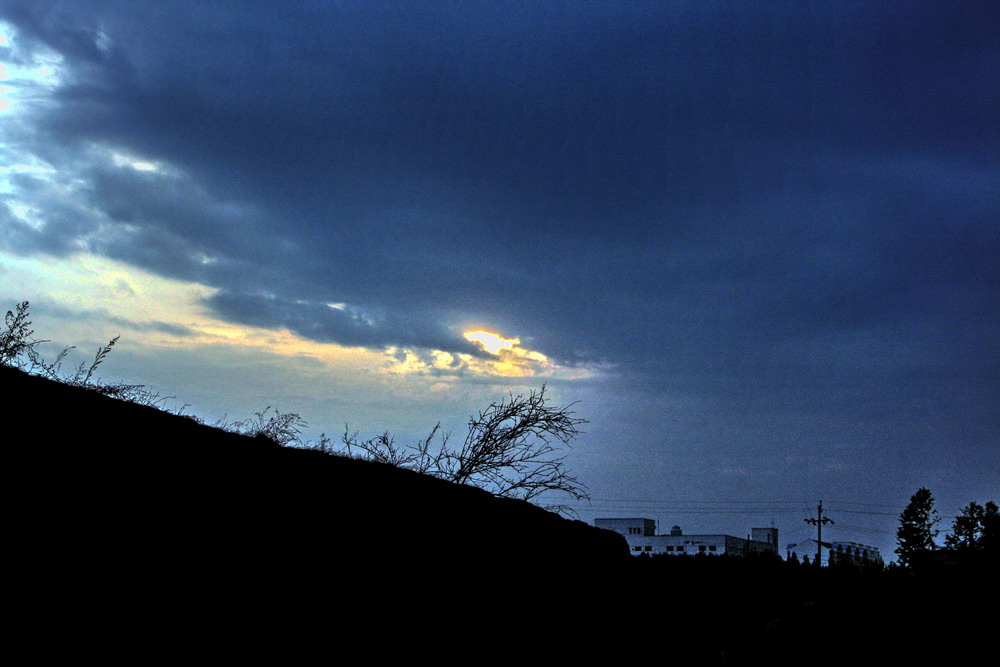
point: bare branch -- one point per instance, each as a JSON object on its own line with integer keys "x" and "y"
{"x": 282, "y": 427}
{"x": 512, "y": 449}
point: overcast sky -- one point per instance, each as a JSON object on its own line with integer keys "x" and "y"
{"x": 758, "y": 241}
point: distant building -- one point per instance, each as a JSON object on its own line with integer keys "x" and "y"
{"x": 642, "y": 539}
{"x": 833, "y": 553}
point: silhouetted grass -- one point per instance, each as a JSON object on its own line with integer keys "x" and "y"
{"x": 178, "y": 525}
{"x": 512, "y": 449}
{"x": 19, "y": 349}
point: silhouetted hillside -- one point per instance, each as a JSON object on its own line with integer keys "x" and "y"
{"x": 135, "y": 532}
{"x": 114, "y": 500}
{"x": 143, "y": 479}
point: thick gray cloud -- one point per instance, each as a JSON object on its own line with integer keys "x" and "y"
{"x": 338, "y": 324}
{"x": 770, "y": 206}
{"x": 546, "y": 169}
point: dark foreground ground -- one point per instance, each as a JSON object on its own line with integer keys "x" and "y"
{"x": 134, "y": 534}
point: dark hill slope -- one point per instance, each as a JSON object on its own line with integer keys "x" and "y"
{"x": 133, "y": 534}
{"x": 125, "y": 492}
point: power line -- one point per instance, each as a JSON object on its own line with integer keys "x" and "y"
{"x": 720, "y": 512}
{"x": 859, "y": 529}
{"x": 847, "y": 502}
{"x": 675, "y": 504}
{"x": 636, "y": 502}
{"x": 818, "y": 522}
{"x": 715, "y": 502}
{"x": 684, "y": 510}
{"x": 864, "y": 512}
{"x": 723, "y": 510}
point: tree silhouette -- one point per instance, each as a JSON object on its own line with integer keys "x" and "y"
{"x": 974, "y": 527}
{"x": 916, "y": 532}
{"x": 512, "y": 449}
{"x": 17, "y": 338}
{"x": 990, "y": 540}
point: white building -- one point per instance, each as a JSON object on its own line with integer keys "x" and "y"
{"x": 642, "y": 539}
{"x": 835, "y": 553}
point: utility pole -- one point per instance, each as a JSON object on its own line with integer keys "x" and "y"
{"x": 818, "y": 522}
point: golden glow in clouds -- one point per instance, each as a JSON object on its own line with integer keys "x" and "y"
{"x": 492, "y": 342}
{"x": 509, "y": 360}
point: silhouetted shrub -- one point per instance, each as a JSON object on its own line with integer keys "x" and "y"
{"x": 512, "y": 449}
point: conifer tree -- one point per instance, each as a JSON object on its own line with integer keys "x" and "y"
{"x": 916, "y": 532}
{"x": 973, "y": 527}
{"x": 967, "y": 529}
{"x": 989, "y": 541}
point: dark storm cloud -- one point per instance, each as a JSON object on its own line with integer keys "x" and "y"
{"x": 775, "y": 221}
{"x": 340, "y": 324}
{"x": 53, "y": 309}
{"x": 55, "y": 223}
{"x": 666, "y": 187}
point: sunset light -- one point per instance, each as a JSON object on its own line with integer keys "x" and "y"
{"x": 753, "y": 244}
{"x": 491, "y": 342}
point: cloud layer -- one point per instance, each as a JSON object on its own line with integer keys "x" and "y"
{"x": 773, "y": 207}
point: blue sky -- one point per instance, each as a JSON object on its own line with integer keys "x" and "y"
{"x": 758, "y": 242}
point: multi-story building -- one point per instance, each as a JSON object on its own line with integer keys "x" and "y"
{"x": 642, "y": 539}
{"x": 833, "y": 553}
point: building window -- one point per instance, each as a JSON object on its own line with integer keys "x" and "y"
{"x": 636, "y": 548}
{"x": 649, "y": 548}
{"x": 711, "y": 548}
{"x": 701, "y": 548}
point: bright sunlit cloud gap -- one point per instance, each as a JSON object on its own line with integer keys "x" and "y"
{"x": 491, "y": 342}
{"x": 33, "y": 75}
